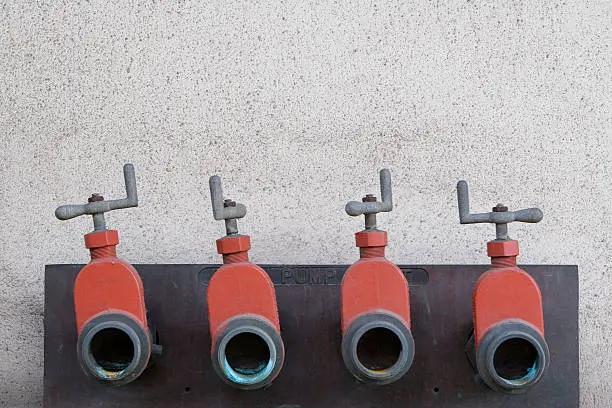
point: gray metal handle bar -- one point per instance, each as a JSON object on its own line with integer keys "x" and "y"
{"x": 66, "y": 212}
{"x": 354, "y": 208}
{"x": 499, "y": 216}
{"x": 227, "y": 210}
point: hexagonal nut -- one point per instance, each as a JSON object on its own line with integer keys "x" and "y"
{"x": 231, "y": 245}
{"x": 101, "y": 239}
{"x": 371, "y": 239}
{"x": 502, "y": 248}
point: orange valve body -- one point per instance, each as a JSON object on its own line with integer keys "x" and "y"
{"x": 511, "y": 351}
{"x": 240, "y": 288}
{"x": 109, "y": 297}
{"x": 241, "y": 300}
{"x": 375, "y": 302}
{"x": 107, "y": 284}
{"x": 373, "y": 283}
{"x": 505, "y": 292}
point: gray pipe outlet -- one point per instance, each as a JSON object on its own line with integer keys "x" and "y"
{"x": 512, "y": 357}
{"x": 248, "y": 354}
{"x": 378, "y": 348}
{"x": 113, "y": 349}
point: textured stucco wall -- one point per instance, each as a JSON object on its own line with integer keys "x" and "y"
{"x": 297, "y": 105}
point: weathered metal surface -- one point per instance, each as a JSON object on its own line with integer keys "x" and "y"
{"x": 314, "y": 374}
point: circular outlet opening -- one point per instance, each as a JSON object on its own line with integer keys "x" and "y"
{"x": 516, "y": 360}
{"x": 247, "y": 358}
{"x": 379, "y": 349}
{"x": 112, "y": 349}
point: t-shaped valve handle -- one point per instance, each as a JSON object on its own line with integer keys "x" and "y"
{"x": 369, "y": 206}
{"x": 500, "y": 216}
{"x": 227, "y": 210}
{"x": 97, "y": 206}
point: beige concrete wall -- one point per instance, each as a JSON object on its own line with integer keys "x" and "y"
{"x": 297, "y": 105}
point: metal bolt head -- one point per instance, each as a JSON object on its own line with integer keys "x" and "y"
{"x": 500, "y": 208}
{"x": 369, "y": 198}
{"x": 94, "y": 198}
{"x": 229, "y": 203}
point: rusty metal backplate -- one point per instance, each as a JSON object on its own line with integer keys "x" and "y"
{"x": 313, "y": 375}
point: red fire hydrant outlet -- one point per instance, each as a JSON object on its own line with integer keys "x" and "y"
{"x": 511, "y": 350}
{"x": 377, "y": 344}
{"x": 247, "y": 348}
{"x": 114, "y": 343}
